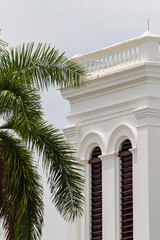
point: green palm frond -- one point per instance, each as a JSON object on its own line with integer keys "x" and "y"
{"x": 24, "y": 71}
{"x": 44, "y": 66}
{"x": 24, "y": 115}
{"x": 3, "y": 44}
{"x": 22, "y": 206}
{"x": 63, "y": 170}
{"x": 18, "y": 102}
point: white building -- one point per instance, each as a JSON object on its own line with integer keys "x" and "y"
{"x": 115, "y": 126}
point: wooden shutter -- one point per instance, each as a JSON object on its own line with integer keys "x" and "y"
{"x": 126, "y": 191}
{"x": 96, "y": 195}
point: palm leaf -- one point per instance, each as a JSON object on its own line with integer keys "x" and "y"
{"x": 3, "y": 44}
{"x": 24, "y": 71}
{"x": 24, "y": 116}
{"x": 17, "y": 100}
{"x": 44, "y": 66}
{"x": 22, "y": 206}
{"x": 63, "y": 170}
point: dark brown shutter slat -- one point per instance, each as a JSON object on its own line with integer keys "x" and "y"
{"x": 127, "y": 220}
{"x": 126, "y": 191}
{"x": 125, "y": 203}
{"x": 94, "y": 160}
{"x": 124, "y": 153}
{"x": 96, "y": 195}
{"x": 96, "y": 238}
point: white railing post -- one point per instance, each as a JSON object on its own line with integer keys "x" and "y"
{"x": 149, "y": 49}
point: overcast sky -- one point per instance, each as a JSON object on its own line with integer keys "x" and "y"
{"x": 74, "y": 27}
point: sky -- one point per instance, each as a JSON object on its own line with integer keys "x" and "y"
{"x": 72, "y": 27}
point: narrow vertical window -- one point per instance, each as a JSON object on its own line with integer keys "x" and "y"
{"x": 126, "y": 191}
{"x": 96, "y": 195}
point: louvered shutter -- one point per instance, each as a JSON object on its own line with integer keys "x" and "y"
{"x": 126, "y": 191}
{"x": 96, "y": 195}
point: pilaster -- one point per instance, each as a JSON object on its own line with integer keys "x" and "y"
{"x": 146, "y": 175}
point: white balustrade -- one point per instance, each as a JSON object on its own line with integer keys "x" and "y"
{"x": 141, "y": 49}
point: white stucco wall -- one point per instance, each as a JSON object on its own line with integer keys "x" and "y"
{"x": 121, "y": 104}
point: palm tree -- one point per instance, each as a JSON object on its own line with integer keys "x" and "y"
{"x": 24, "y": 72}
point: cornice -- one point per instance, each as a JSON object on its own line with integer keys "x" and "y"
{"x": 146, "y": 112}
{"x": 119, "y": 77}
{"x": 71, "y": 131}
{"x": 111, "y": 111}
{"x": 102, "y": 91}
{"x": 146, "y": 125}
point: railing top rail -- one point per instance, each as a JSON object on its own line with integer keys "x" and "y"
{"x": 122, "y": 45}
{"x": 118, "y": 56}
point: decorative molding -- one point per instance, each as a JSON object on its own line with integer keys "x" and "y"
{"x": 111, "y": 85}
{"x": 107, "y": 108}
{"x": 71, "y": 133}
{"x": 148, "y": 125}
{"x": 111, "y": 111}
{"x": 108, "y": 81}
{"x": 91, "y": 140}
{"x": 119, "y": 134}
{"x": 146, "y": 112}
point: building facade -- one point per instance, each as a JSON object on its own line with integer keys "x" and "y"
{"x": 114, "y": 124}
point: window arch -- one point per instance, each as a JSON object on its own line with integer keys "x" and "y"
{"x": 96, "y": 195}
{"x": 126, "y": 191}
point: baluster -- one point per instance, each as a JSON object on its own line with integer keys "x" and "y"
{"x": 107, "y": 63}
{"x": 117, "y": 58}
{"x": 123, "y": 55}
{"x": 126, "y": 57}
{"x": 135, "y": 54}
{"x": 90, "y": 66}
{"x": 98, "y": 64}
{"x": 131, "y": 54}
{"x": 93, "y": 64}
{"x": 120, "y": 58}
{"x": 104, "y": 63}
{"x": 138, "y": 53}
{"x": 112, "y": 60}
{"x": 94, "y": 67}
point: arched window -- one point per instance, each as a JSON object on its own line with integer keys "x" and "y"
{"x": 126, "y": 191}
{"x": 96, "y": 195}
